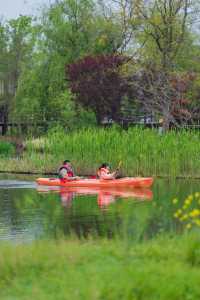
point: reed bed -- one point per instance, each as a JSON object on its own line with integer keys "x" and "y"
{"x": 143, "y": 152}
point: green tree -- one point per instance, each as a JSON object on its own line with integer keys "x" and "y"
{"x": 16, "y": 46}
{"x": 165, "y": 25}
{"x": 69, "y": 30}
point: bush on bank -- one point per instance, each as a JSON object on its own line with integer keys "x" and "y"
{"x": 6, "y": 149}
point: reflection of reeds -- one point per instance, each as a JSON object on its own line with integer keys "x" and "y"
{"x": 142, "y": 152}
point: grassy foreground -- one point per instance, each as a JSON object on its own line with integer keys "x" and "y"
{"x": 142, "y": 151}
{"x": 165, "y": 268}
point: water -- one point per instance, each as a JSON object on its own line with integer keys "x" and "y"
{"x": 29, "y": 212}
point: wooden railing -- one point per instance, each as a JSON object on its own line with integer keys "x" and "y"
{"x": 124, "y": 122}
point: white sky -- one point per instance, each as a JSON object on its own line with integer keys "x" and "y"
{"x": 13, "y": 8}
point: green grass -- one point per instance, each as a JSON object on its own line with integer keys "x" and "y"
{"x": 142, "y": 152}
{"x": 164, "y": 268}
{"x": 6, "y": 149}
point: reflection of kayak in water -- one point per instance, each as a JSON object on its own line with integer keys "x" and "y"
{"x": 105, "y": 196}
{"x": 137, "y": 182}
{"x": 118, "y": 192}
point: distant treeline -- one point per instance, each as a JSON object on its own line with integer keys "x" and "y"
{"x": 81, "y": 62}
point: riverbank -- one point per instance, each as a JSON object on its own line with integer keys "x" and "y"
{"x": 164, "y": 268}
{"x": 143, "y": 152}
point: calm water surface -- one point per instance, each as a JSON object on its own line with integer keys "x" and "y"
{"x": 29, "y": 212}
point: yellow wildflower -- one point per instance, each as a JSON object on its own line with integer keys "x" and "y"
{"x": 188, "y": 226}
{"x": 195, "y": 213}
{"x": 176, "y": 215}
{"x": 197, "y": 195}
{"x": 187, "y": 201}
{"x": 184, "y": 217}
{"x": 179, "y": 211}
{"x": 197, "y": 222}
{"x": 175, "y": 200}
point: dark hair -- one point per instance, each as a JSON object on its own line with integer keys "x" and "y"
{"x": 66, "y": 161}
{"x": 104, "y": 165}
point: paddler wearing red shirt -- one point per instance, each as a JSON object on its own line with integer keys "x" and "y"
{"x": 66, "y": 171}
{"x": 104, "y": 172}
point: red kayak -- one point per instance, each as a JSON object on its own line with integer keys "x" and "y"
{"x": 134, "y": 182}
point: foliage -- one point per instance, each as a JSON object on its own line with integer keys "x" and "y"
{"x": 68, "y": 31}
{"x": 161, "y": 94}
{"x": 6, "y": 149}
{"x": 98, "y": 85}
{"x": 164, "y": 24}
{"x": 17, "y": 40}
{"x": 34, "y": 53}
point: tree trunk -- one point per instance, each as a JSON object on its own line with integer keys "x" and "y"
{"x": 166, "y": 124}
{"x": 5, "y": 124}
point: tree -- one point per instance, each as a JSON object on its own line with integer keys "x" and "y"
{"x": 62, "y": 35}
{"x": 163, "y": 95}
{"x": 69, "y": 30}
{"x": 165, "y": 25}
{"x": 98, "y": 84}
{"x": 16, "y": 45}
{"x": 122, "y": 13}
{"x": 3, "y": 73}
{"x": 166, "y": 34}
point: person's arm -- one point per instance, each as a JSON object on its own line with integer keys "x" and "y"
{"x": 106, "y": 176}
{"x": 72, "y": 178}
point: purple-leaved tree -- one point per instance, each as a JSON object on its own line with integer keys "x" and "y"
{"x": 98, "y": 84}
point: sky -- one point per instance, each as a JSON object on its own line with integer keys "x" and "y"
{"x": 10, "y": 9}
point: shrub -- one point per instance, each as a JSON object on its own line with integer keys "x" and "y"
{"x": 6, "y": 149}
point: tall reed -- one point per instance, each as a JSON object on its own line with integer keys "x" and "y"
{"x": 142, "y": 151}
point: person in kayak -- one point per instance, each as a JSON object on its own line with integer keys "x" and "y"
{"x": 104, "y": 172}
{"x": 66, "y": 172}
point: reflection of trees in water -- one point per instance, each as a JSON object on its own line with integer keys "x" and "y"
{"x": 48, "y": 216}
{"x": 99, "y": 217}
{"x": 45, "y": 216}
{"x": 161, "y": 215}
{"x": 102, "y": 225}
{"x": 6, "y": 213}
{"x": 84, "y": 218}
{"x": 9, "y": 215}
{"x": 12, "y": 221}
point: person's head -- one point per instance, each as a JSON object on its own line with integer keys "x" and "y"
{"x": 67, "y": 162}
{"x": 105, "y": 166}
